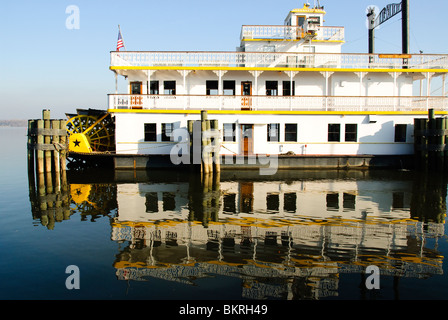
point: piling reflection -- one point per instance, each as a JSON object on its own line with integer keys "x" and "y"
{"x": 289, "y": 236}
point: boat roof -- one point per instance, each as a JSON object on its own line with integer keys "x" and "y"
{"x": 308, "y": 9}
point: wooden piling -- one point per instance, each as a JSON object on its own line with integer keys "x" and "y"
{"x": 430, "y": 142}
{"x": 204, "y": 157}
{"x": 216, "y": 143}
{"x": 63, "y": 156}
{"x": 440, "y": 143}
{"x": 47, "y": 139}
{"x": 209, "y": 153}
{"x": 445, "y": 142}
{"x": 47, "y": 151}
{"x": 40, "y": 152}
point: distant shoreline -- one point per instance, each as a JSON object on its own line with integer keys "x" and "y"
{"x": 13, "y": 123}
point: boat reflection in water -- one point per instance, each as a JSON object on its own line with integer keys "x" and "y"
{"x": 286, "y": 237}
{"x": 294, "y": 235}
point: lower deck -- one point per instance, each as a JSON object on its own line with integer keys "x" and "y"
{"x": 263, "y": 133}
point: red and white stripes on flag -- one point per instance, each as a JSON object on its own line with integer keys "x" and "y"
{"x": 120, "y": 43}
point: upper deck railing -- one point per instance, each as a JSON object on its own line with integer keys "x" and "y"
{"x": 276, "y": 103}
{"x": 290, "y": 33}
{"x": 181, "y": 59}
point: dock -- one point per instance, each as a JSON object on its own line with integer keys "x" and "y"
{"x": 47, "y": 166}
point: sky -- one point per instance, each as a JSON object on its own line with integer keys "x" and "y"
{"x": 48, "y": 62}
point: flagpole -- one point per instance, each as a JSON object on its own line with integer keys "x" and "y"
{"x": 119, "y": 29}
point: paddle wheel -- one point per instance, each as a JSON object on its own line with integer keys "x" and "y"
{"x": 91, "y": 131}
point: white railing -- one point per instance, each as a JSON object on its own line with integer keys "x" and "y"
{"x": 291, "y": 33}
{"x": 275, "y": 59}
{"x": 280, "y": 103}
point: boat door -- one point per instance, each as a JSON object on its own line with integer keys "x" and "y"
{"x": 246, "y": 197}
{"x": 247, "y": 139}
{"x": 135, "y": 95}
{"x": 246, "y": 92}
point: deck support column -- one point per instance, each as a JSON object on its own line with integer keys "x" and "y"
{"x": 428, "y": 88}
{"x": 443, "y": 85}
{"x": 148, "y": 82}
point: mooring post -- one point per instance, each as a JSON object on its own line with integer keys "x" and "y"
{"x": 32, "y": 127}
{"x": 440, "y": 142}
{"x": 209, "y": 154}
{"x": 47, "y": 139}
{"x": 216, "y": 144}
{"x": 56, "y": 155}
{"x": 445, "y": 140}
{"x": 40, "y": 142}
{"x": 204, "y": 161}
{"x": 56, "y": 143}
{"x": 190, "y": 141}
{"x": 63, "y": 153}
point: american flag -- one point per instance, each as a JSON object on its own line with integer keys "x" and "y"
{"x": 120, "y": 43}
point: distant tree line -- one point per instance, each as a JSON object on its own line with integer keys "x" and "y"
{"x": 13, "y": 123}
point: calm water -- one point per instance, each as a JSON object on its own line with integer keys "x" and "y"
{"x": 168, "y": 235}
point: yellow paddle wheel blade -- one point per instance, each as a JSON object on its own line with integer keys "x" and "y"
{"x": 91, "y": 133}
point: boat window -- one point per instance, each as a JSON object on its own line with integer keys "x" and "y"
{"x": 229, "y": 130}
{"x": 211, "y": 87}
{"x": 334, "y": 132}
{"x": 333, "y": 201}
{"x": 274, "y": 132}
{"x": 229, "y": 201}
{"x": 301, "y": 20}
{"x": 169, "y": 87}
{"x": 287, "y": 88}
{"x": 150, "y": 132}
{"x": 348, "y": 201}
{"x": 291, "y": 132}
{"x": 271, "y": 88}
{"x": 272, "y": 202}
{"x": 351, "y": 132}
{"x": 314, "y": 20}
{"x": 154, "y": 87}
{"x": 400, "y": 133}
{"x": 398, "y": 200}
{"x": 229, "y": 87}
{"x": 290, "y": 202}
{"x": 269, "y": 48}
{"x": 167, "y": 131}
{"x": 151, "y": 202}
{"x": 169, "y": 201}
{"x": 136, "y": 87}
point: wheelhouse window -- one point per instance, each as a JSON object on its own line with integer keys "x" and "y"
{"x": 287, "y": 88}
{"x": 273, "y": 132}
{"x": 211, "y": 87}
{"x": 136, "y": 87}
{"x": 269, "y": 48}
{"x": 229, "y": 132}
{"x": 334, "y": 132}
{"x": 400, "y": 133}
{"x": 154, "y": 87}
{"x": 150, "y": 132}
{"x": 271, "y": 88}
{"x": 169, "y": 87}
{"x": 229, "y": 87}
{"x": 167, "y": 131}
{"x": 291, "y": 132}
{"x": 351, "y": 132}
